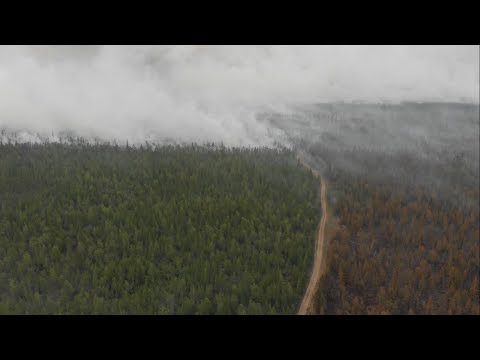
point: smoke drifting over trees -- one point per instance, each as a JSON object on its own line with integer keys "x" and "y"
{"x": 393, "y": 129}
{"x": 214, "y": 93}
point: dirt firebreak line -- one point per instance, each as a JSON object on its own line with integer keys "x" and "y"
{"x": 307, "y": 301}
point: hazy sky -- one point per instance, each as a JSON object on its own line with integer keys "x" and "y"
{"x": 204, "y": 93}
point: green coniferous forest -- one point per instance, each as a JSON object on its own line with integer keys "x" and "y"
{"x": 103, "y": 229}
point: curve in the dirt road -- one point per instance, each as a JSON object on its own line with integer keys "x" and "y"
{"x": 307, "y": 301}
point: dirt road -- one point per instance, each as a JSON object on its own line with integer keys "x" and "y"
{"x": 307, "y": 302}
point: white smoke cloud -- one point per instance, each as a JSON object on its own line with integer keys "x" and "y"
{"x": 211, "y": 93}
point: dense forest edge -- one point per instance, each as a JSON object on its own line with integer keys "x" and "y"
{"x": 104, "y": 229}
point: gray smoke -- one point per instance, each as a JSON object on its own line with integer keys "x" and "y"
{"x": 214, "y": 93}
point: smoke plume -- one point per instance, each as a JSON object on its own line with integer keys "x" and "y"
{"x": 214, "y": 93}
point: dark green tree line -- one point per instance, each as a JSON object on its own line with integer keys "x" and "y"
{"x": 103, "y": 229}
